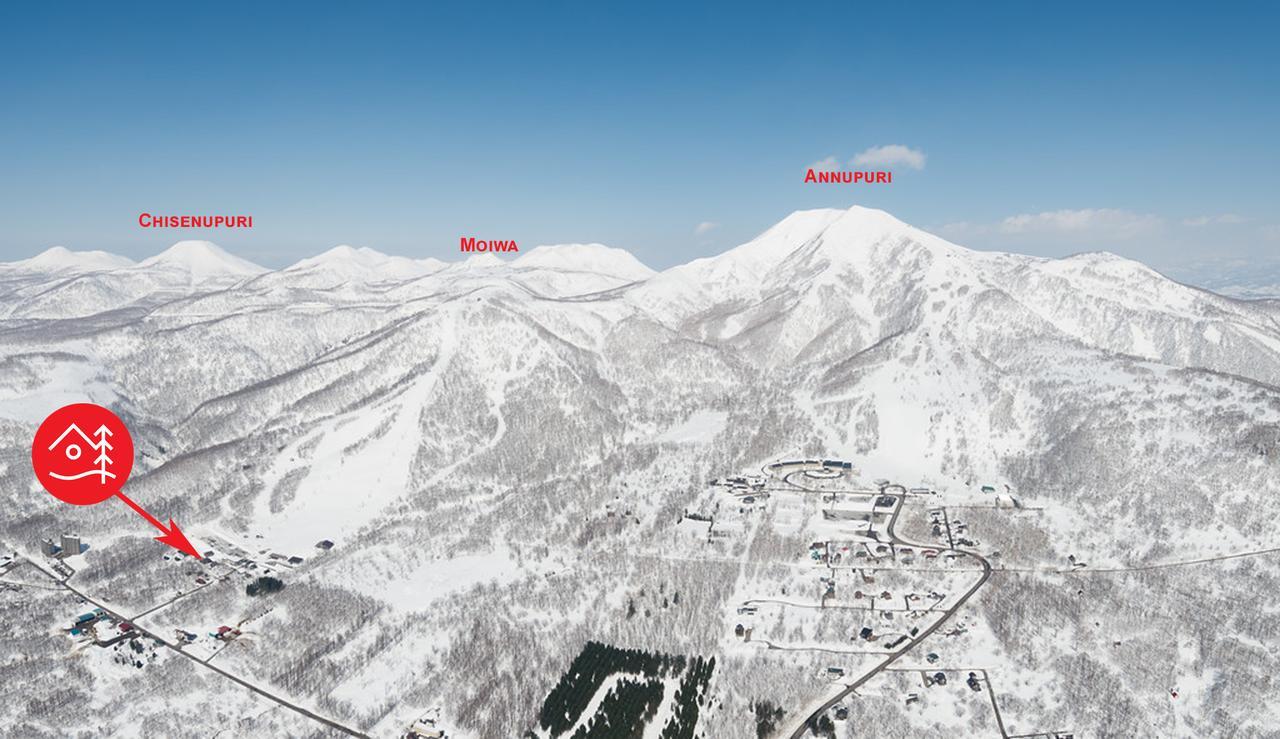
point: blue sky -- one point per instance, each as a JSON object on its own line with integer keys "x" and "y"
{"x": 1145, "y": 130}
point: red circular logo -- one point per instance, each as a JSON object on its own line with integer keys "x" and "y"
{"x": 82, "y": 454}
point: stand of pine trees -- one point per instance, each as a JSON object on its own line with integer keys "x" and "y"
{"x": 624, "y": 712}
{"x": 264, "y": 585}
{"x": 571, "y": 695}
{"x": 689, "y": 696}
{"x": 768, "y": 718}
{"x": 822, "y": 727}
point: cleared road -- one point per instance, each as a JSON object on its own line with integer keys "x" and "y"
{"x": 301, "y": 710}
{"x": 803, "y": 728}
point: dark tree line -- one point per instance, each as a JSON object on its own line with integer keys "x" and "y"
{"x": 624, "y": 712}
{"x": 689, "y": 696}
{"x": 588, "y": 671}
{"x": 263, "y": 586}
{"x": 822, "y": 726}
{"x": 768, "y": 718}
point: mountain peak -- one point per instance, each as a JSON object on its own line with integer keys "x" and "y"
{"x": 842, "y": 230}
{"x": 62, "y": 259}
{"x": 343, "y": 253}
{"x": 802, "y": 225}
{"x": 598, "y": 258}
{"x": 480, "y": 261}
{"x": 202, "y": 260}
{"x": 351, "y": 262}
{"x": 754, "y": 260}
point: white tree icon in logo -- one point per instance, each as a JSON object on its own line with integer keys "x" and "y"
{"x": 74, "y": 452}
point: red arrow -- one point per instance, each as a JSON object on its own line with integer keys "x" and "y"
{"x": 173, "y": 535}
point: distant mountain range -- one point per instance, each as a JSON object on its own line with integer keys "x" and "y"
{"x": 504, "y": 451}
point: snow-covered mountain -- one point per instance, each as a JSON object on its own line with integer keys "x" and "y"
{"x": 505, "y": 451}
{"x": 596, "y": 258}
{"x": 200, "y": 263}
{"x": 63, "y": 284}
{"x": 61, "y": 259}
{"x": 346, "y": 264}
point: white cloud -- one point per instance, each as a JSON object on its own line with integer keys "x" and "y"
{"x": 830, "y": 163}
{"x": 889, "y": 156}
{"x": 1223, "y": 219}
{"x": 705, "y": 227}
{"x": 1110, "y": 222}
{"x": 1173, "y": 245}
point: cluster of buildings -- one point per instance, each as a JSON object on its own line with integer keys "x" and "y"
{"x": 746, "y": 486}
{"x": 796, "y": 465}
{"x": 225, "y": 633}
{"x": 836, "y": 552}
{"x": 953, "y": 529}
{"x": 85, "y": 620}
{"x": 111, "y": 631}
{"x": 69, "y": 546}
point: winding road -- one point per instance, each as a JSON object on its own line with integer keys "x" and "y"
{"x": 803, "y": 729}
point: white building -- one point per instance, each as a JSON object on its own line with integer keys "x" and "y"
{"x": 425, "y": 730}
{"x": 70, "y": 545}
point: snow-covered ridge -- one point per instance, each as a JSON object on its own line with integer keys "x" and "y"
{"x": 362, "y": 262}
{"x": 200, "y": 261}
{"x": 841, "y": 277}
{"x": 62, "y": 259}
{"x": 841, "y": 235}
{"x": 597, "y": 258}
{"x": 835, "y": 246}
